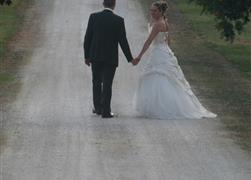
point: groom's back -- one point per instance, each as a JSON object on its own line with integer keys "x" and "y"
{"x": 106, "y": 33}
{"x": 107, "y": 25}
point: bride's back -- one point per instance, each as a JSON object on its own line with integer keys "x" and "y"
{"x": 161, "y": 36}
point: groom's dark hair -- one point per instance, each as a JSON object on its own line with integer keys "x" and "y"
{"x": 109, "y": 3}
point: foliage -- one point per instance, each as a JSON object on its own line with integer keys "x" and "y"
{"x": 8, "y": 2}
{"x": 231, "y": 15}
{"x": 238, "y": 53}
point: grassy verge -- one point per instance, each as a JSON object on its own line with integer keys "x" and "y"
{"x": 238, "y": 53}
{"x": 12, "y": 54}
{"x": 11, "y": 23}
{"x": 10, "y": 20}
{"x": 231, "y": 81}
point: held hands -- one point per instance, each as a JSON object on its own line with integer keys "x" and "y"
{"x": 135, "y": 61}
{"x": 87, "y": 62}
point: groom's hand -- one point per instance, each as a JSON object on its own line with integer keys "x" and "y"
{"x": 87, "y": 62}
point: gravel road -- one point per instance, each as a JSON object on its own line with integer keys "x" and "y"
{"x": 52, "y": 133}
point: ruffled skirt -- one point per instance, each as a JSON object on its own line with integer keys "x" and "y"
{"x": 164, "y": 93}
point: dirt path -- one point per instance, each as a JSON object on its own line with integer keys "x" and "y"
{"x": 53, "y": 135}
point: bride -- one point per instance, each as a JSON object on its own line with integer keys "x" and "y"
{"x": 163, "y": 92}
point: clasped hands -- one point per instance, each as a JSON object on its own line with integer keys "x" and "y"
{"x": 135, "y": 61}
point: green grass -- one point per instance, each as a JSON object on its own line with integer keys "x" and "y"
{"x": 10, "y": 20}
{"x": 4, "y": 77}
{"x": 238, "y": 53}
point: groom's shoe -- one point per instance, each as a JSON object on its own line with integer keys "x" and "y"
{"x": 109, "y": 115}
{"x": 98, "y": 112}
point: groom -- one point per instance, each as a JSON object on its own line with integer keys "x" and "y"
{"x": 104, "y": 32}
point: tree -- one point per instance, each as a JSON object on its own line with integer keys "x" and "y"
{"x": 231, "y": 15}
{"x": 8, "y": 2}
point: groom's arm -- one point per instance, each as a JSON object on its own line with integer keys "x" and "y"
{"x": 124, "y": 43}
{"x": 88, "y": 37}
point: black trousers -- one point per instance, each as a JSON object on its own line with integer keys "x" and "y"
{"x": 102, "y": 80}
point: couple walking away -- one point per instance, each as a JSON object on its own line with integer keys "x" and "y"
{"x": 163, "y": 92}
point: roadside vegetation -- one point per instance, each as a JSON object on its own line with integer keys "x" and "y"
{"x": 231, "y": 17}
{"x": 10, "y": 19}
{"x": 11, "y": 24}
{"x": 238, "y": 52}
{"x": 233, "y": 88}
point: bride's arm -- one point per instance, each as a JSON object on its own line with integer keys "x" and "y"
{"x": 168, "y": 38}
{"x": 153, "y": 34}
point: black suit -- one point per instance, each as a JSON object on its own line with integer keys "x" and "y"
{"x": 104, "y": 32}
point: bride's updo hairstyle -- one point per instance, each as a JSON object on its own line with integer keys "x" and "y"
{"x": 162, "y": 6}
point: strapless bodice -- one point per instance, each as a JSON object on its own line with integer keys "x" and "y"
{"x": 161, "y": 38}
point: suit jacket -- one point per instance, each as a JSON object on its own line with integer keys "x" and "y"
{"x": 104, "y": 32}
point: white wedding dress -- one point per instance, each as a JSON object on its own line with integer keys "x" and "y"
{"x": 163, "y": 92}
